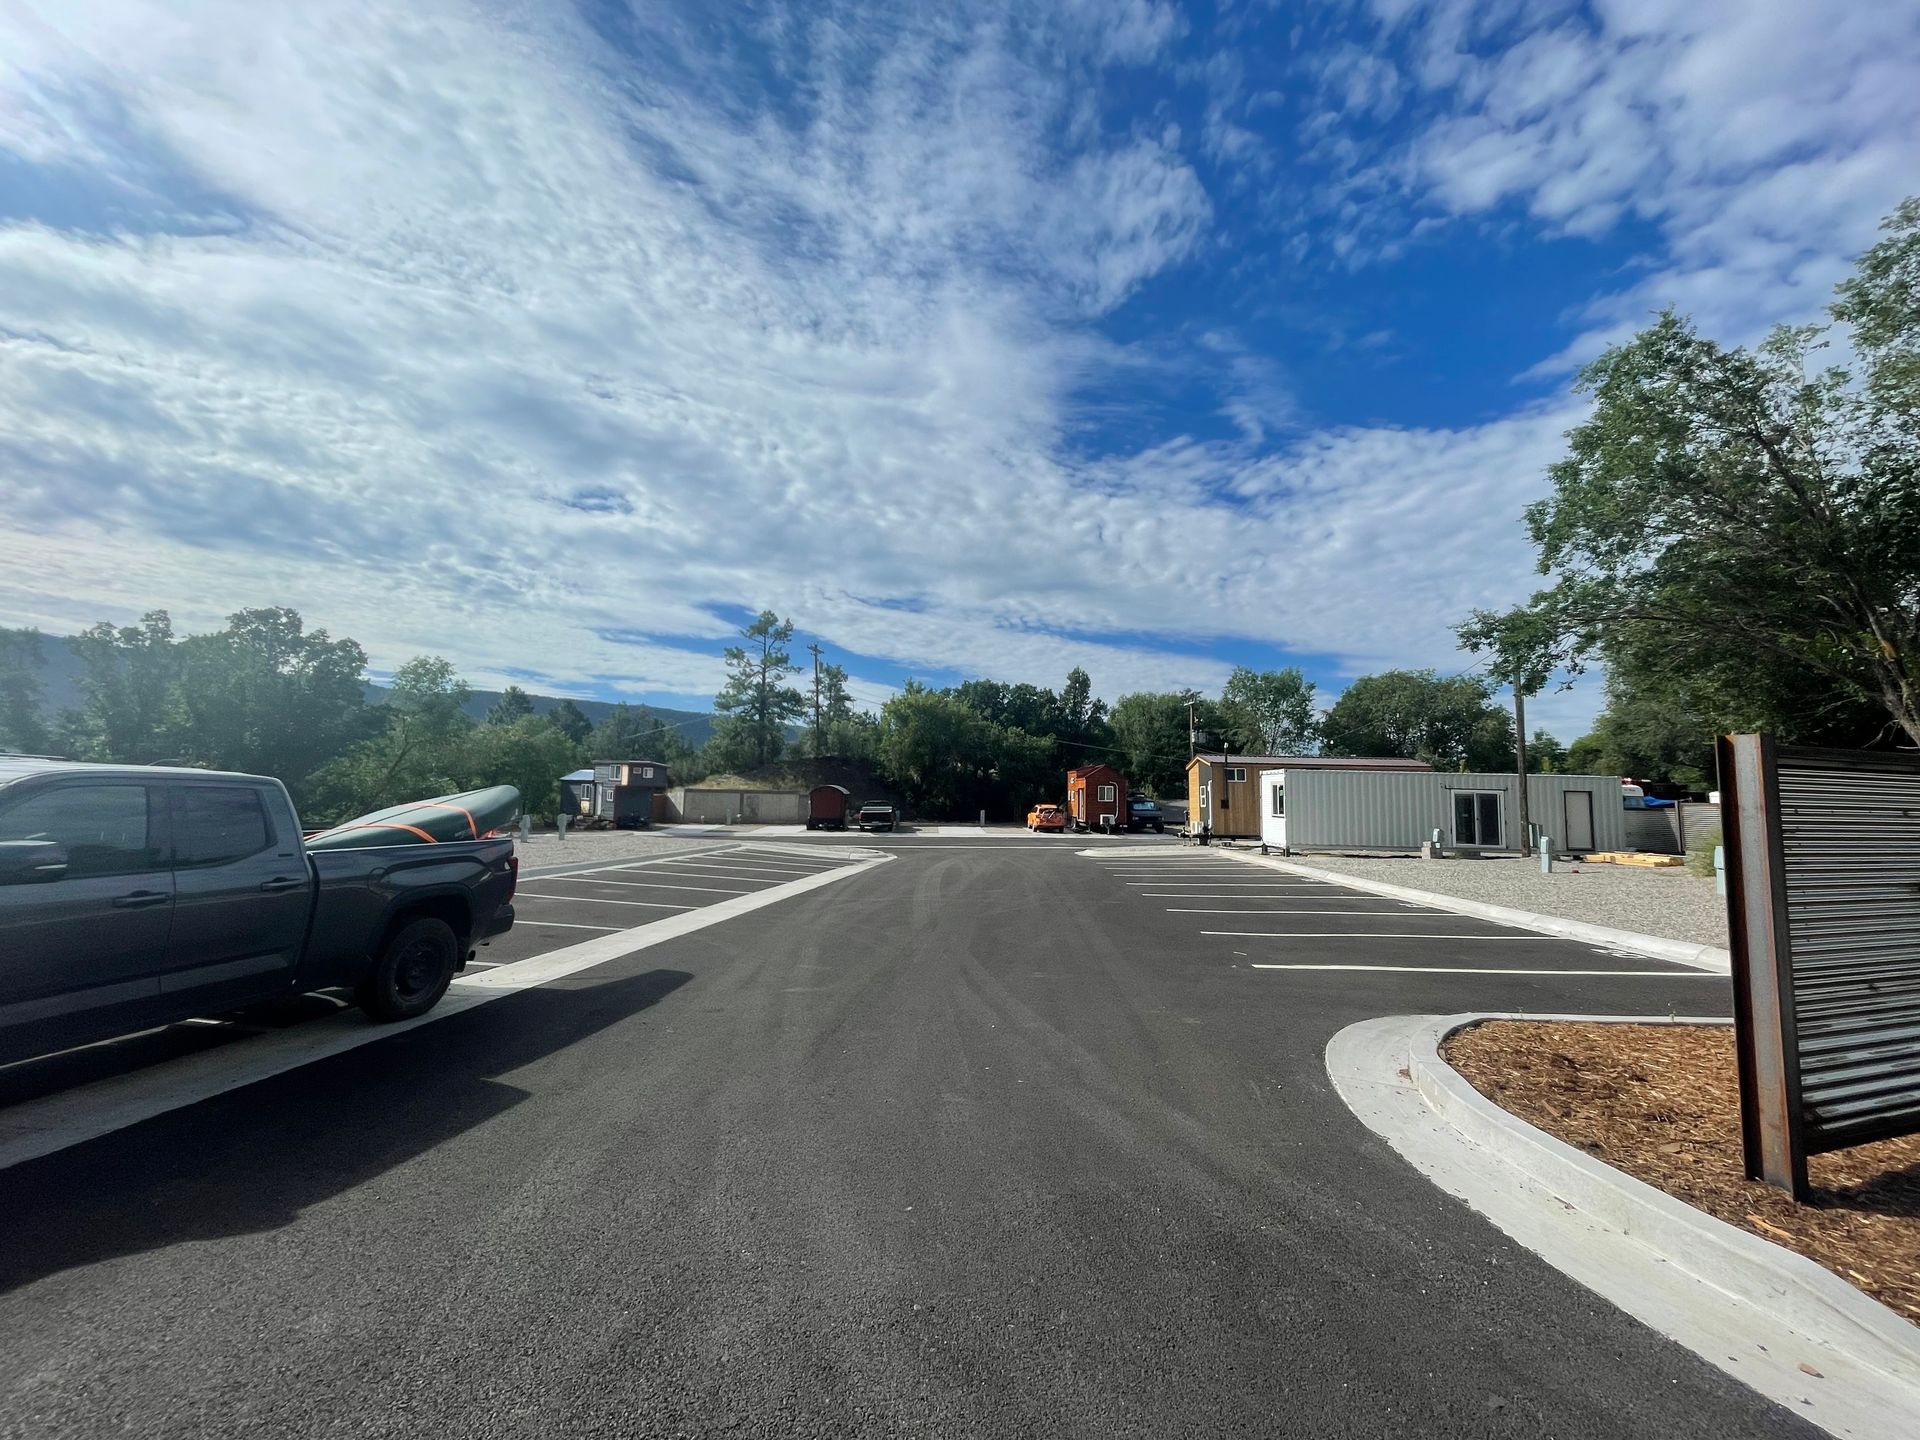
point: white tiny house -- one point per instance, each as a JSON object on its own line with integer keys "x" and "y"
{"x": 1324, "y": 809}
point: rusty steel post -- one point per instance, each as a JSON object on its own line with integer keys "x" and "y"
{"x": 1763, "y": 1006}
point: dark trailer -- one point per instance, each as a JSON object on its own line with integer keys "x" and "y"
{"x": 827, "y": 807}
{"x": 624, "y": 790}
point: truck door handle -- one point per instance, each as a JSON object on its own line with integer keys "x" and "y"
{"x": 140, "y": 900}
{"x": 282, "y": 882}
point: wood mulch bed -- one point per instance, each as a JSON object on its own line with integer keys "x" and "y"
{"x": 1662, "y": 1103}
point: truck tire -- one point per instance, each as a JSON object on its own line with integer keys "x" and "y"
{"x": 412, "y": 972}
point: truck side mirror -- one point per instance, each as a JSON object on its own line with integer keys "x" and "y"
{"x": 31, "y": 862}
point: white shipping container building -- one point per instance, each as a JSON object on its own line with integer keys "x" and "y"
{"x": 1319, "y": 809}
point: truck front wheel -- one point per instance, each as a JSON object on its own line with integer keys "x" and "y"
{"x": 413, "y": 971}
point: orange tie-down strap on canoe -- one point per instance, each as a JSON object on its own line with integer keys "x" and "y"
{"x": 382, "y": 825}
{"x": 472, "y": 829}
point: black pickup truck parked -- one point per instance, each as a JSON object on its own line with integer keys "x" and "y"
{"x": 133, "y": 896}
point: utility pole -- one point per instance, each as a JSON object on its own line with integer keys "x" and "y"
{"x": 818, "y": 739}
{"x": 1520, "y": 752}
{"x": 1193, "y": 745}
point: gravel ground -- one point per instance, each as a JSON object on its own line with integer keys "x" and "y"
{"x": 1670, "y": 903}
{"x": 590, "y": 847}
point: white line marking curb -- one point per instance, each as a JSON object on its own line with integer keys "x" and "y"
{"x": 40, "y": 1127}
{"x": 1681, "y": 952}
{"x": 1753, "y": 1309}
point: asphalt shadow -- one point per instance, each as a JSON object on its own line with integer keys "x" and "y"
{"x": 30, "y": 1079}
{"x": 253, "y": 1159}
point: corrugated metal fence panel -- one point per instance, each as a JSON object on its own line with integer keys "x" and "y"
{"x": 1698, "y": 820}
{"x": 1655, "y": 832}
{"x": 1850, "y": 840}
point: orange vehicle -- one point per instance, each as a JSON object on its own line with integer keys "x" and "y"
{"x": 1045, "y": 816}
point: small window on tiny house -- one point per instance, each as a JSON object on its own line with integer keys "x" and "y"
{"x": 1106, "y": 794}
{"x": 1237, "y": 774}
{"x": 1280, "y": 802}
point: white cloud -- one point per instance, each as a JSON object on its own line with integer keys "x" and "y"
{"x": 1764, "y": 138}
{"x": 463, "y": 334}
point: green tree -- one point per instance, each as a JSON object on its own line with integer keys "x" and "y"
{"x": 1419, "y": 715}
{"x": 950, "y": 760}
{"x": 831, "y": 705}
{"x": 1646, "y": 733}
{"x": 756, "y": 699}
{"x": 128, "y": 675}
{"x": 1150, "y": 732}
{"x": 513, "y": 704}
{"x": 418, "y": 752}
{"x": 571, "y": 721}
{"x": 22, "y": 692}
{"x": 1747, "y": 514}
{"x": 526, "y": 753}
{"x": 1270, "y": 712}
{"x": 1546, "y": 755}
{"x": 265, "y": 695}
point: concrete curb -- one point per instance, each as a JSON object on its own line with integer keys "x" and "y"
{"x": 1658, "y": 947}
{"x": 1756, "y": 1310}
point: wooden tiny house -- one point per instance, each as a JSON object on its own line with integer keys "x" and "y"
{"x": 1097, "y": 798}
{"x": 624, "y": 791}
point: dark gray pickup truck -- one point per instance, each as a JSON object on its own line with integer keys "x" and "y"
{"x": 133, "y": 896}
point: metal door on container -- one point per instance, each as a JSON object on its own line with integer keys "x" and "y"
{"x": 1476, "y": 818}
{"x": 1579, "y": 817}
{"x": 83, "y": 938}
{"x": 242, "y": 894}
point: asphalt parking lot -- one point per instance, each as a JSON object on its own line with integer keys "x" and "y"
{"x": 558, "y": 905}
{"x": 1247, "y": 916}
{"x": 991, "y": 1137}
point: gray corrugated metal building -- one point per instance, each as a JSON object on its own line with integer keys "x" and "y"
{"x": 1322, "y": 809}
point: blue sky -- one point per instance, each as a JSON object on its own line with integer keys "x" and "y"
{"x": 980, "y": 338}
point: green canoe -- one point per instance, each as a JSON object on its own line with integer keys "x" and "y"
{"x": 466, "y": 816}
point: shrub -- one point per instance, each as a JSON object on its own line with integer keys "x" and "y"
{"x": 1700, "y": 853}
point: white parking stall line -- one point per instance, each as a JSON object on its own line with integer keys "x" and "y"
{"x": 778, "y": 857}
{"x": 1474, "y": 970}
{"x": 656, "y": 885}
{"x": 1371, "y": 914}
{"x": 788, "y": 857}
{"x": 1240, "y": 884}
{"x": 686, "y": 875}
{"x": 729, "y": 867}
{"x": 1185, "y": 878}
{"x": 557, "y": 925}
{"x": 705, "y": 874}
{"x": 1390, "y": 935}
{"x": 599, "y": 900}
{"x": 1216, "y": 895}
{"x": 614, "y": 865}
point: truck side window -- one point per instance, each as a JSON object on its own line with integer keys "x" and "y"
{"x": 217, "y": 824}
{"x": 103, "y": 827}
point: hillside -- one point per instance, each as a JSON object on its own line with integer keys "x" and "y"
{"x": 62, "y": 670}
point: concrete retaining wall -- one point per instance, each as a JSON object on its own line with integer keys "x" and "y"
{"x": 695, "y": 806}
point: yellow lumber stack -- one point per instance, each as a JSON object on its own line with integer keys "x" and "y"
{"x": 1628, "y": 857}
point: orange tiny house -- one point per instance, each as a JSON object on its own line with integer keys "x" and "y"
{"x": 1097, "y": 798}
